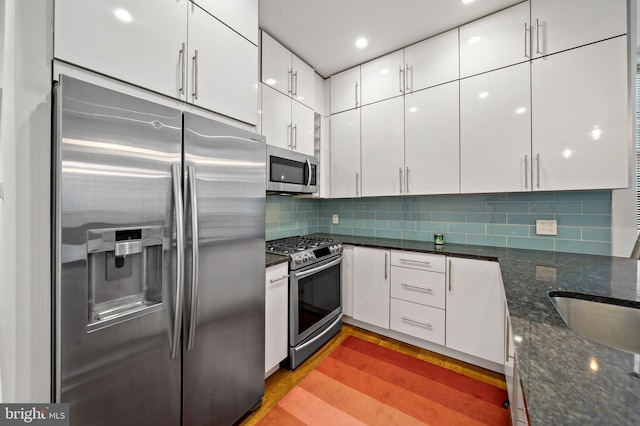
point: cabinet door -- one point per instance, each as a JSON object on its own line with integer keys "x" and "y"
{"x": 276, "y": 117}
{"x": 383, "y": 78}
{"x": 345, "y": 154}
{"x": 580, "y": 118}
{"x": 276, "y": 316}
{"x": 240, "y": 15}
{"x": 347, "y": 280}
{"x": 423, "y": 322}
{"x": 371, "y": 286}
{"x": 303, "y": 82}
{"x": 432, "y": 61}
{"x": 561, "y": 25}
{"x": 382, "y": 145}
{"x": 475, "y": 309}
{"x": 303, "y": 125}
{"x": 496, "y": 41}
{"x": 495, "y": 131}
{"x": 230, "y": 89}
{"x": 127, "y": 40}
{"x": 276, "y": 64}
{"x": 345, "y": 90}
{"x": 432, "y": 140}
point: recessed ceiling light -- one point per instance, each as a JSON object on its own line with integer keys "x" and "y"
{"x": 474, "y": 39}
{"x": 467, "y": 1}
{"x": 361, "y": 43}
{"x": 122, "y": 15}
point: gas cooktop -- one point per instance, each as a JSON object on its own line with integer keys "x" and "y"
{"x": 304, "y": 251}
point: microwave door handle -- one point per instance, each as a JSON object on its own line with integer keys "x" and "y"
{"x": 318, "y": 269}
{"x": 309, "y": 175}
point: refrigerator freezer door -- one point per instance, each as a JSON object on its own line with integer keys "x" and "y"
{"x": 115, "y": 257}
{"x": 223, "y": 355}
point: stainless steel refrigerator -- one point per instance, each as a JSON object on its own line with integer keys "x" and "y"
{"x": 158, "y": 262}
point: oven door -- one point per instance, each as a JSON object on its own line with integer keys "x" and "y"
{"x": 314, "y": 299}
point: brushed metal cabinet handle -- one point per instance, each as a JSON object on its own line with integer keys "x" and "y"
{"x": 195, "y": 75}
{"x": 401, "y": 79}
{"x": 538, "y": 171}
{"x": 506, "y": 353}
{"x": 526, "y": 54}
{"x": 290, "y": 81}
{"x": 450, "y": 273}
{"x": 415, "y": 287}
{"x": 386, "y": 273}
{"x": 356, "y": 94}
{"x": 357, "y": 183}
{"x": 295, "y": 137}
{"x": 290, "y": 136}
{"x": 400, "y": 171}
{"x": 284, "y": 277}
{"x": 295, "y": 86}
{"x": 426, "y": 324}
{"x": 526, "y": 171}
{"x": 407, "y": 182}
{"x": 182, "y": 68}
{"x": 538, "y": 37}
{"x": 424, "y": 262}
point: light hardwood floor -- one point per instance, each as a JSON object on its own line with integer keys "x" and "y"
{"x": 283, "y": 380}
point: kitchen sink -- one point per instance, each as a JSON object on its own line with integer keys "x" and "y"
{"x": 611, "y": 322}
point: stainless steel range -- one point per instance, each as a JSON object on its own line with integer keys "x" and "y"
{"x": 315, "y": 303}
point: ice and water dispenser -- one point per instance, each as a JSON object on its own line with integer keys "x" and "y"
{"x": 124, "y": 273}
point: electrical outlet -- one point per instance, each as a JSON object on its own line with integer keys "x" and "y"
{"x": 547, "y": 227}
{"x": 336, "y": 220}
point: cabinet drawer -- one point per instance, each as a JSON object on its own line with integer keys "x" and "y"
{"x": 414, "y": 285}
{"x": 423, "y": 322}
{"x": 424, "y": 261}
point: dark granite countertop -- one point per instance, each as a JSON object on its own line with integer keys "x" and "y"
{"x": 567, "y": 379}
{"x": 275, "y": 259}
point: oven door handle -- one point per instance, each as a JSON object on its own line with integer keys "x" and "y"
{"x": 305, "y": 344}
{"x": 318, "y": 269}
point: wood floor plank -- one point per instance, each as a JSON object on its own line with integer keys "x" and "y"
{"x": 282, "y": 381}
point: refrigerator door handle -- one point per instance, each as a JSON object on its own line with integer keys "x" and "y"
{"x": 195, "y": 250}
{"x": 177, "y": 196}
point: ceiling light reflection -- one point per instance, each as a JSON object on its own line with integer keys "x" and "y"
{"x": 270, "y": 81}
{"x": 474, "y": 39}
{"x": 567, "y": 153}
{"x": 384, "y": 71}
{"x": 413, "y": 109}
{"x": 596, "y": 133}
{"x": 361, "y": 43}
{"x": 483, "y": 95}
{"x": 123, "y": 15}
{"x": 593, "y": 364}
{"x": 521, "y": 110}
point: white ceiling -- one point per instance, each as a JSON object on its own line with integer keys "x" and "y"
{"x": 323, "y": 32}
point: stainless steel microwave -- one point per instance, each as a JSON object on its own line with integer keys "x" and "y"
{"x": 290, "y": 171}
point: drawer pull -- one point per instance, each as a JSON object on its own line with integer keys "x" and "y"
{"x": 426, "y": 324}
{"x": 279, "y": 279}
{"x": 427, "y": 289}
{"x": 424, "y": 262}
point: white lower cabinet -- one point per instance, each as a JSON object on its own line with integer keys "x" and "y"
{"x": 371, "y": 269}
{"x": 475, "y": 309}
{"x": 414, "y": 319}
{"x": 276, "y": 316}
{"x": 347, "y": 280}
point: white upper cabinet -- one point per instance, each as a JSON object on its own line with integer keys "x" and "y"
{"x": 432, "y": 61}
{"x": 383, "y": 78}
{"x": 302, "y": 119}
{"x": 496, "y": 41}
{"x": 560, "y": 25}
{"x": 382, "y": 147}
{"x": 276, "y": 65}
{"x": 240, "y": 15}
{"x": 495, "y": 131}
{"x": 276, "y": 118}
{"x": 345, "y": 154}
{"x": 285, "y": 72}
{"x": 232, "y": 89}
{"x": 345, "y": 90}
{"x": 431, "y": 147}
{"x": 127, "y": 40}
{"x": 580, "y": 127}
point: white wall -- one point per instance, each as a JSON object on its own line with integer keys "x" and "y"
{"x": 25, "y": 147}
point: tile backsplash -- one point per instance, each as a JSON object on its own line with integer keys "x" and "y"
{"x": 503, "y": 220}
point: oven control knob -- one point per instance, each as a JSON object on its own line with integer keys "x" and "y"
{"x": 298, "y": 260}
{"x": 332, "y": 249}
{"x": 305, "y": 258}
